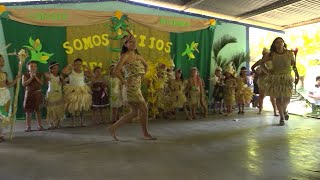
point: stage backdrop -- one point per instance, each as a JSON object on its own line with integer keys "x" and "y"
{"x": 97, "y": 45}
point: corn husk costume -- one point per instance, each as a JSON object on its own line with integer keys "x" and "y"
{"x": 5, "y": 119}
{"x": 54, "y": 100}
{"x": 229, "y": 91}
{"x": 77, "y": 94}
{"x": 243, "y": 92}
{"x": 279, "y": 83}
{"x": 116, "y": 90}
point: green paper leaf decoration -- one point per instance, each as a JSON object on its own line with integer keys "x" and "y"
{"x": 31, "y": 41}
{"x": 190, "y": 49}
{"x": 28, "y": 47}
{"x": 5, "y": 14}
{"x": 35, "y": 51}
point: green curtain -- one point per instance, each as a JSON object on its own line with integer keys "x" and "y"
{"x": 202, "y": 60}
{"x": 51, "y": 39}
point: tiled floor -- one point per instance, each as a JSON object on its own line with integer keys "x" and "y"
{"x": 222, "y": 148}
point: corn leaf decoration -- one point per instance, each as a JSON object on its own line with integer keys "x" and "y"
{"x": 35, "y": 48}
{"x": 119, "y": 28}
{"x": 119, "y": 25}
{"x": 190, "y": 49}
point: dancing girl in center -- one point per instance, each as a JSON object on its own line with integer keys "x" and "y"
{"x": 134, "y": 67}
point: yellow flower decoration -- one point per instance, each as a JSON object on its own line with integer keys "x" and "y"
{"x": 166, "y": 61}
{"x": 118, "y": 14}
{"x": 2, "y": 8}
{"x": 212, "y": 22}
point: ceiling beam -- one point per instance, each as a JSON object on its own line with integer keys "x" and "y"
{"x": 191, "y": 4}
{"x": 270, "y": 7}
{"x": 303, "y": 23}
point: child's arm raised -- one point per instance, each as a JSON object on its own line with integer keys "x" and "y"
{"x": 67, "y": 70}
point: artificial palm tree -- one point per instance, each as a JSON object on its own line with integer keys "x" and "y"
{"x": 218, "y": 46}
{"x": 239, "y": 58}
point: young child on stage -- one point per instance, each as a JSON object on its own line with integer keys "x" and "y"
{"x": 243, "y": 92}
{"x": 177, "y": 87}
{"x": 4, "y": 97}
{"x": 196, "y": 93}
{"x": 229, "y": 89}
{"x": 32, "y": 81}
{"x": 99, "y": 95}
{"x": 54, "y": 97}
{"x": 218, "y": 92}
{"x": 77, "y": 94}
{"x": 116, "y": 100}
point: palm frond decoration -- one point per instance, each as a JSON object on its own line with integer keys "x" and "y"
{"x": 221, "y": 43}
{"x": 238, "y": 59}
{"x": 222, "y": 62}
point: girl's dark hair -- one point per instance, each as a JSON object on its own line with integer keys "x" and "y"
{"x": 124, "y": 49}
{"x": 273, "y": 46}
{"x": 180, "y": 71}
{"x": 77, "y": 60}
{"x": 52, "y": 64}
{"x": 317, "y": 78}
{"x": 95, "y": 68}
{"x": 32, "y": 62}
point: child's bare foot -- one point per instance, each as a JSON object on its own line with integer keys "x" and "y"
{"x": 113, "y": 133}
{"x": 40, "y": 128}
{"x": 149, "y": 137}
{"x": 259, "y": 113}
{"x": 28, "y": 129}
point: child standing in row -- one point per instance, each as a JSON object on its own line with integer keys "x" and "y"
{"x": 177, "y": 87}
{"x": 218, "y": 92}
{"x": 5, "y": 96}
{"x": 115, "y": 94}
{"x": 99, "y": 95}
{"x": 54, "y": 97}
{"x": 77, "y": 93}
{"x": 244, "y": 93}
{"x": 32, "y": 81}
{"x": 229, "y": 89}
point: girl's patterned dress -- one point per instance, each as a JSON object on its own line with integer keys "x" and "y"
{"x": 99, "y": 95}
{"x": 133, "y": 74}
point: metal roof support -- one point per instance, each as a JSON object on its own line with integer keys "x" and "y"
{"x": 191, "y": 4}
{"x": 270, "y": 7}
